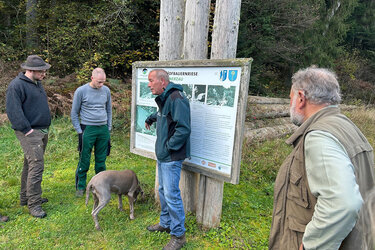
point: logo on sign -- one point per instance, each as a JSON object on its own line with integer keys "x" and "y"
{"x": 211, "y": 164}
{"x": 232, "y": 75}
{"x": 223, "y": 75}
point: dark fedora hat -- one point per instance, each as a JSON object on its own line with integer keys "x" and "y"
{"x": 35, "y": 62}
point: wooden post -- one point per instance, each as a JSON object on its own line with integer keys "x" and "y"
{"x": 225, "y": 30}
{"x": 196, "y": 29}
{"x": 210, "y": 202}
{"x": 224, "y": 45}
{"x": 195, "y": 47}
{"x": 172, "y": 15}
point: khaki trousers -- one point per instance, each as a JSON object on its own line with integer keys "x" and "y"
{"x": 33, "y": 146}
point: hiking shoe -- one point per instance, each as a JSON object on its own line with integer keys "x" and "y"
{"x": 24, "y": 203}
{"x": 37, "y": 212}
{"x": 158, "y": 228}
{"x": 175, "y": 243}
{"x": 80, "y": 192}
{"x": 4, "y": 218}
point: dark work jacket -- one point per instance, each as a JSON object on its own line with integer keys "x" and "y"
{"x": 27, "y": 105}
{"x": 294, "y": 204}
{"x": 172, "y": 124}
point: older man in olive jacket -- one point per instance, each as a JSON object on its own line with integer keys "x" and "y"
{"x": 320, "y": 187}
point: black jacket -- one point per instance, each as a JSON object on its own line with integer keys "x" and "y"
{"x": 27, "y": 105}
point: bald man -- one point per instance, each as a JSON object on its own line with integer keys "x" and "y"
{"x": 92, "y": 119}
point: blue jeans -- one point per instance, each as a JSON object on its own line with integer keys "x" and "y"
{"x": 172, "y": 210}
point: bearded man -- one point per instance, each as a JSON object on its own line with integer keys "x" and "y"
{"x": 320, "y": 187}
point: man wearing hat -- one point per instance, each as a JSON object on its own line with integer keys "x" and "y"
{"x": 28, "y": 111}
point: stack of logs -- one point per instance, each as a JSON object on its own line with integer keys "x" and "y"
{"x": 268, "y": 118}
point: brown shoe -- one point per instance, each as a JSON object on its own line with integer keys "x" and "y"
{"x": 175, "y": 243}
{"x": 4, "y": 218}
{"x": 37, "y": 212}
{"x": 158, "y": 228}
{"x": 24, "y": 203}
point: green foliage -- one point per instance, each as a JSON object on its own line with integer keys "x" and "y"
{"x": 10, "y": 54}
{"x": 355, "y": 90}
{"x": 75, "y": 36}
{"x": 361, "y": 37}
{"x": 283, "y": 36}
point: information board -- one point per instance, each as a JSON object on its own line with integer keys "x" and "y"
{"x": 217, "y": 93}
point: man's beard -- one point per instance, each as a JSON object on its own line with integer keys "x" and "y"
{"x": 295, "y": 118}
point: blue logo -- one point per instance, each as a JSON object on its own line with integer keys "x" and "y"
{"x": 232, "y": 75}
{"x": 223, "y": 75}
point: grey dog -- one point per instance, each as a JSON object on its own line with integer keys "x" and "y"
{"x": 120, "y": 182}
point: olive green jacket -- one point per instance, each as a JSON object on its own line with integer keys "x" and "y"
{"x": 293, "y": 201}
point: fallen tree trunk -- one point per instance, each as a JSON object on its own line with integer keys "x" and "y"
{"x": 269, "y": 108}
{"x": 267, "y": 133}
{"x": 269, "y": 118}
{"x": 266, "y": 100}
{"x": 262, "y": 123}
{"x": 264, "y": 111}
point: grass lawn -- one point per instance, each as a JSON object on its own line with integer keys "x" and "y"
{"x": 246, "y": 214}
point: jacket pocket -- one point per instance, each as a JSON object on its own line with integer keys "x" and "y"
{"x": 161, "y": 151}
{"x": 296, "y": 231}
{"x": 295, "y": 225}
{"x": 297, "y": 190}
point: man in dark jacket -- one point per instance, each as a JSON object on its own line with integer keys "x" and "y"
{"x": 28, "y": 111}
{"x": 172, "y": 148}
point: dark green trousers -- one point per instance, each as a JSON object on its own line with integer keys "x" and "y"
{"x": 96, "y": 137}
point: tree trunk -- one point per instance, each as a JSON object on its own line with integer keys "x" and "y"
{"x": 195, "y": 47}
{"x": 196, "y": 29}
{"x": 224, "y": 45}
{"x": 172, "y": 14}
{"x": 31, "y": 26}
{"x": 225, "y": 30}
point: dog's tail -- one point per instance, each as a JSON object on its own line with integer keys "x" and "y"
{"x": 88, "y": 189}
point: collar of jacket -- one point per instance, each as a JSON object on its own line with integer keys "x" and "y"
{"x": 168, "y": 90}
{"x": 22, "y": 76}
{"x": 297, "y": 135}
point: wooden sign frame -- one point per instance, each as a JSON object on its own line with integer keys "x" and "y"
{"x": 225, "y": 66}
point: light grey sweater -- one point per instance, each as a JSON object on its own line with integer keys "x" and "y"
{"x": 91, "y": 107}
